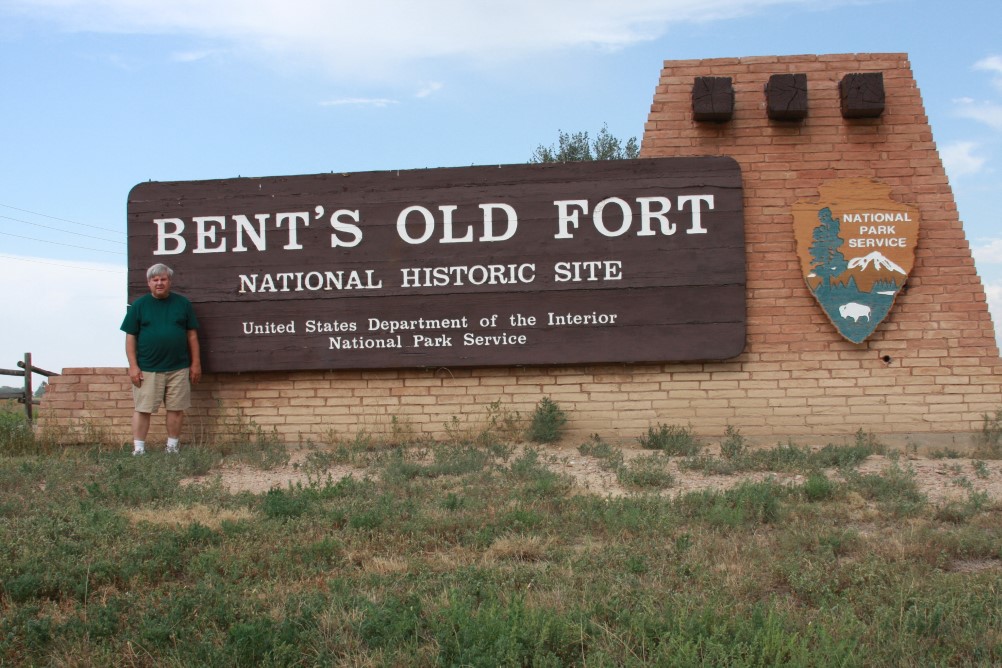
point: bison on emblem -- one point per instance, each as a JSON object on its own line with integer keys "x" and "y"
{"x": 855, "y": 311}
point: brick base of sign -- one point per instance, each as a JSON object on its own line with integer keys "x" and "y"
{"x": 824, "y": 395}
{"x": 927, "y": 375}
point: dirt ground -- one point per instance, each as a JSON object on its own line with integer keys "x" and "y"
{"x": 940, "y": 479}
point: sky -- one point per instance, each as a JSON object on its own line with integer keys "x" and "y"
{"x": 100, "y": 95}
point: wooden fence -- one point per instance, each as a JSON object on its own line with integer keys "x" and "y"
{"x": 27, "y": 395}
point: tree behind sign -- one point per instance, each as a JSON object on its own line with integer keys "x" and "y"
{"x": 577, "y": 147}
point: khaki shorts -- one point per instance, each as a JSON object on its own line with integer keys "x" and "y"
{"x": 172, "y": 388}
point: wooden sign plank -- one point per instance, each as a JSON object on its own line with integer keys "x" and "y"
{"x": 614, "y": 261}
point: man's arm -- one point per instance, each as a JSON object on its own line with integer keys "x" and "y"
{"x": 196, "y": 356}
{"x": 135, "y": 374}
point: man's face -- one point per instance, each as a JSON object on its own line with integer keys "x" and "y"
{"x": 159, "y": 286}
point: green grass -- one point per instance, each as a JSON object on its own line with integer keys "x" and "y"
{"x": 16, "y": 435}
{"x": 467, "y": 553}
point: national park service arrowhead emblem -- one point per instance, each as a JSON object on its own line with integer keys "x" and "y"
{"x": 856, "y": 247}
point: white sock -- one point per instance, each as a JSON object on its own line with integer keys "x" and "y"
{"x": 138, "y": 446}
{"x": 173, "y": 443}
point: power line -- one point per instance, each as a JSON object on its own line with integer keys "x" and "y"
{"x": 56, "y": 243}
{"x": 49, "y": 227}
{"x": 56, "y": 264}
{"x": 65, "y": 220}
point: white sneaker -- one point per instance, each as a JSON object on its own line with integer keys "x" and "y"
{"x": 172, "y": 450}
{"x": 138, "y": 451}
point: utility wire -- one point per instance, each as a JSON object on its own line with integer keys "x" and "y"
{"x": 65, "y": 220}
{"x": 56, "y": 264}
{"x": 49, "y": 227}
{"x": 56, "y": 243}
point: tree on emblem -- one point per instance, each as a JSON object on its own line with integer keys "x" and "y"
{"x": 829, "y": 263}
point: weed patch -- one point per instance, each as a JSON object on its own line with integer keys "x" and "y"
{"x": 512, "y": 634}
{"x": 547, "y": 422}
{"x": 16, "y": 435}
{"x": 673, "y": 440}
{"x": 496, "y": 431}
{"x": 788, "y": 458}
{"x": 988, "y": 443}
{"x": 733, "y": 446}
{"x": 895, "y": 488}
{"x": 646, "y": 472}
{"x": 819, "y": 488}
{"x": 747, "y": 504}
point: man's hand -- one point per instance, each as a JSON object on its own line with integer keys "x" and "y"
{"x": 136, "y": 376}
{"x": 195, "y": 372}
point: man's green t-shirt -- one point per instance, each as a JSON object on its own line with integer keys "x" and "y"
{"x": 161, "y": 330}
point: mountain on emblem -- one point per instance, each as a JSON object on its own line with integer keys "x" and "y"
{"x": 877, "y": 260}
{"x": 856, "y": 247}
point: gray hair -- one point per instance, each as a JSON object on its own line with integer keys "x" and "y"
{"x": 159, "y": 270}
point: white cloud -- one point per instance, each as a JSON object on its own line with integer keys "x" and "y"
{"x": 359, "y": 39}
{"x": 992, "y": 64}
{"x": 959, "y": 159}
{"x": 988, "y": 113}
{"x": 987, "y": 256}
{"x": 988, "y": 253}
{"x": 192, "y": 56}
{"x": 77, "y": 308}
{"x": 429, "y": 89}
{"x": 426, "y": 90}
{"x": 993, "y": 291}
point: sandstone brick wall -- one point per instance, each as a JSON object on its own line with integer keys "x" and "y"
{"x": 928, "y": 374}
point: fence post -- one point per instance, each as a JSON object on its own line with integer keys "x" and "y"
{"x": 29, "y": 396}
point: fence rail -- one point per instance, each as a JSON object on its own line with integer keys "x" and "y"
{"x": 27, "y": 395}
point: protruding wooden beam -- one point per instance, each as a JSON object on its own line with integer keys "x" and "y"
{"x": 786, "y": 97}
{"x": 712, "y": 99}
{"x": 861, "y": 95}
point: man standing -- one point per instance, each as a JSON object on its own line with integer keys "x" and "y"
{"x": 161, "y": 343}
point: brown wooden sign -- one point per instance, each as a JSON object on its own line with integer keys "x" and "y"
{"x": 613, "y": 261}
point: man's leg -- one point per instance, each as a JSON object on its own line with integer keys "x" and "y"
{"x": 175, "y": 420}
{"x": 140, "y": 428}
{"x": 147, "y": 397}
{"x": 178, "y": 400}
